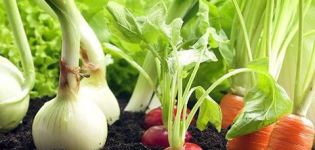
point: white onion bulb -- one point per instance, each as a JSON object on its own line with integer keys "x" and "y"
{"x": 13, "y": 100}
{"x": 103, "y": 98}
{"x": 69, "y": 124}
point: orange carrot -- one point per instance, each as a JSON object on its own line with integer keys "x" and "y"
{"x": 253, "y": 141}
{"x": 292, "y": 132}
{"x": 230, "y": 105}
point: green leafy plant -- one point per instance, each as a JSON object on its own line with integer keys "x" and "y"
{"x": 166, "y": 46}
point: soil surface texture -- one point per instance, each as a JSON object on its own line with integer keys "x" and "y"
{"x": 124, "y": 134}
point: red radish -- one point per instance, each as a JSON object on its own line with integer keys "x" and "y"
{"x": 188, "y": 146}
{"x": 158, "y": 136}
{"x": 154, "y": 117}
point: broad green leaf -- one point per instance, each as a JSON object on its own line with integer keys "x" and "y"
{"x": 157, "y": 13}
{"x": 209, "y": 112}
{"x": 173, "y": 32}
{"x": 125, "y": 22}
{"x": 156, "y": 39}
{"x": 227, "y": 53}
{"x": 188, "y": 58}
{"x": 217, "y": 39}
{"x": 199, "y": 53}
{"x": 221, "y": 14}
{"x": 264, "y": 104}
{"x": 196, "y": 25}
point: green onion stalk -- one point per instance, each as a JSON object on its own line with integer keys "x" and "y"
{"x": 15, "y": 86}
{"x": 94, "y": 86}
{"x": 144, "y": 92}
{"x": 69, "y": 121}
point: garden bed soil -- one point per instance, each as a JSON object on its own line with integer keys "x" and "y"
{"x": 124, "y": 134}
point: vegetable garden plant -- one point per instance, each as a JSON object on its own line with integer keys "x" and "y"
{"x": 170, "y": 74}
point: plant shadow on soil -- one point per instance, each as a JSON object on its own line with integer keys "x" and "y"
{"x": 124, "y": 134}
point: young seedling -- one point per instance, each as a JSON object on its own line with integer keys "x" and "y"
{"x": 174, "y": 64}
{"x": 15, "y": 88}
{"x": 143, "y": 91}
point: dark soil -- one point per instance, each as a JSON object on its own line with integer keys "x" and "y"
{"x": 124, "y": 134}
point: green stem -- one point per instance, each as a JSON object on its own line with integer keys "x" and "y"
{"x": 168, "y": 101}
{"x": 194, "y": 73}
{"x": 310, "y": 72}
{"x": 297, "y": 90}
{"x": 22, "y": 43}
{"x": 241, "y": 19}
{"x": 169, "y": 106}
{"x": 69, "y": 79}
{"x": 240, "y": 84}
{"x": 268, "y": 33}
{"x": 286, "y": 35}
{"x": 303, "y": 107}
{"x": 210, "y": 89}
{"x": 113, "y": 49}
{"x": 308, "y": 91}
{"x": 176, "y": 136}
